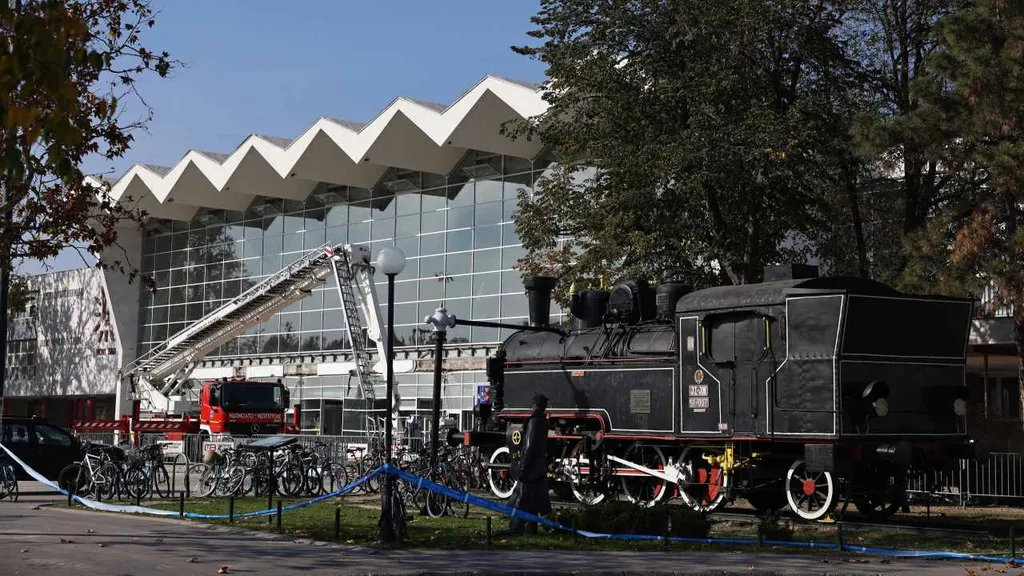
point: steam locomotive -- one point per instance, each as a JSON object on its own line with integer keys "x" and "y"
{"x": 801, "y": 391}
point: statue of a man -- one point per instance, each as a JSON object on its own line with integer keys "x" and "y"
{"x": 531, "y": 494}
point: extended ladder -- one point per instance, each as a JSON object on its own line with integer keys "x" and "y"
{"x": 165, "y": 369}
{"x": 361, "y": 275}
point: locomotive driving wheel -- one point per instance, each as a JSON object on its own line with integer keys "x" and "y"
{"x": 639, "y": 487}
{"x": 812, "y": 495}
{"x": 585, "y": 487}
{"x": 500, "y": 479}
{"x": 883, "y": 495}
{"x": 708, "y": 484}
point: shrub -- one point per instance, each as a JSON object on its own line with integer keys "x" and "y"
{"x": 626, "y": 518}
{"x": 688, "y": 523}
{"x": 772, "y": 527}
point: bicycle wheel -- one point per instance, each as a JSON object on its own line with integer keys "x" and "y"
{"x": 233, "y": 481}
{"x": 161, "y": 481}
{"x": 105, "y": 481}
{"x": 333, "y": 477}
{"x": 74, "y": 478}
{"x": 136, "y": 482}
{"x": 207, "y": 480}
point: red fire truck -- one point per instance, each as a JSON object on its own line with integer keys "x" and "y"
{"x": 157, "y": 386}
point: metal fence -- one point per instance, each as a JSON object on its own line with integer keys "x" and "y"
{"x": 996, "y": 479}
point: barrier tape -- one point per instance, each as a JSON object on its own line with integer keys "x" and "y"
{"x": 506, "y": 510}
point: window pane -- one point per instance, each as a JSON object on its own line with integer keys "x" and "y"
{"x": 513, "y": 306}
{"x": 461, "y": 195}
{"x": 460, "y": 240}
{"x": 457, "y": 287}
{"x": 408, "y": 204}
{"x": 457, "y": 263}
{"x": 487, "y": 237}
{"x": 485, "y": 334}
{"x": 460, "y": 218}
{"x": 488, "y": 213}
{"x": 311, "y": 321}
{"x": 383, "y": 229}
{"x": 431, "y": 290}
{"x": 359, "y": 233}
{"x": 406, "y": 291}
{"x": 509, "y": 235}
{"x": 484, "y": 284}
{"x": 510, "y": 256}
{"x": 488, "y": 191}
{"x": 410, "y": 246}
{"x": 486, "y": 260}
{"x": 431, "y": 244}
{"x": 432, "y": 221}
{"x": 431, "y": 266}
{"x": 293, "y": 242}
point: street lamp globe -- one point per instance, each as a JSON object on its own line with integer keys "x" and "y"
{"x": 391, "y": 261}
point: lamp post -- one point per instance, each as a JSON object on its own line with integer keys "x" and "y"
{"x": 441, "y": 322}
{"x": 391, "y": 262}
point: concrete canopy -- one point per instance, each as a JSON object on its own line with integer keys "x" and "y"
{"x": 407, "y": 135}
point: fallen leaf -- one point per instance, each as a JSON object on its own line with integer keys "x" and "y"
{"x": 751, "y": 568}
{"x": 192, "y": 560}
{"x": 223, "y": 570}
{"x": 826, "y": 561}
{"x": 90, "y": 531}
{"x": 102, "y": 545}
{"x": 65, "y": 541}
{"x": 886, "y": 560}
{"x": 25, "y": 551}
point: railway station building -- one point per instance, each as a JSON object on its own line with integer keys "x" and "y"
{"x": 438, "y": 181}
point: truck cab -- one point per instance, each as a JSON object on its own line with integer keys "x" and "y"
{"x": 243, "y": 407}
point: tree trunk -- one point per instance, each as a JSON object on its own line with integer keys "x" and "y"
{"x": 853, "y": 195}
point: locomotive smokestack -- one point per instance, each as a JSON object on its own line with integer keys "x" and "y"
{"x": 538, "y": 291}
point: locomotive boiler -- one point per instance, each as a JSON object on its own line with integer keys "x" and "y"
{"x": 800, "y": 391}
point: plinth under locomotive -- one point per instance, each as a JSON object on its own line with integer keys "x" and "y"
{"x": 800, "y": 392}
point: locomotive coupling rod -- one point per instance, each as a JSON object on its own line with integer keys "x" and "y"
{"x": 673, "y": 477}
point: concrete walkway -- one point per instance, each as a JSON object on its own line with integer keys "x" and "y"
{"x": 46, "y": 540}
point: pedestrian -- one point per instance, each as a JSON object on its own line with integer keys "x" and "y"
{"x": 531, "y": 493}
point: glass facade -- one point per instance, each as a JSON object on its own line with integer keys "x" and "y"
{"x": 456, "y": 232}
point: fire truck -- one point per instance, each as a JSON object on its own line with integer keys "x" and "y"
{"x": 158, "y": 384}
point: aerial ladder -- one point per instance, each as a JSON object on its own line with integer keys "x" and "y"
{"x": 158, "y": 378}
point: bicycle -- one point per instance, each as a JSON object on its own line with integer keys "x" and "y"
{"x": 8, "y": 481}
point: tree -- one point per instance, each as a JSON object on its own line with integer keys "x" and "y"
{"x": 707, "y": 130}
{"x": 897, "y": 185}
{"x": 66, "y": 69}
{"x": 972, "y": 98}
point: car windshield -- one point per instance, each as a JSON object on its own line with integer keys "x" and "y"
{"x": 252, "y": 397}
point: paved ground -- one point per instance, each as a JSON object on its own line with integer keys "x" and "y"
{"x": 46, "y": 540}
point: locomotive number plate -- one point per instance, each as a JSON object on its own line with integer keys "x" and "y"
{"x": 699, "y": 403}
{"x": 640, "y": 401}
{"x": 698, "y": 390}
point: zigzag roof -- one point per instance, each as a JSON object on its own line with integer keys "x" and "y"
{"x": 407, "y": 134}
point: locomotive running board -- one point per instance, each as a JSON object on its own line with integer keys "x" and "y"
{"x": 674, "y": 478}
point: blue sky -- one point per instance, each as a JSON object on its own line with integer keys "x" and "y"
{"x": 273, "y": 67}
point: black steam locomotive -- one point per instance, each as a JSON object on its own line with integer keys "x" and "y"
{"x": 799, "y": 391}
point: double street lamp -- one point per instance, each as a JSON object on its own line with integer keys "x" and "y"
{"x": 391, "y": 262}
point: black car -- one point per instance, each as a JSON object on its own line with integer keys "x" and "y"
{"x": 44, "y": 447}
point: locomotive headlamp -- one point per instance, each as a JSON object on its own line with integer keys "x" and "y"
{"x": 876, "y": 393}
{"x": 960, "y": 404}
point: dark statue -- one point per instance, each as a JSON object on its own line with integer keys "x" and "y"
{"x": 531, "y": 493}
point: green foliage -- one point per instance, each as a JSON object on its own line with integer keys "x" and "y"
{"x": 709, "y": 129}
{"x": 66, "y": 69}
{"x": 616, "y": 517}
{"x": 971, "y": 99}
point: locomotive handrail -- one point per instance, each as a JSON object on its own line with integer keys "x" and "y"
{"x": 483, "y": 324}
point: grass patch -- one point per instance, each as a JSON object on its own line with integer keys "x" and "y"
{"x": 359, "y": 527}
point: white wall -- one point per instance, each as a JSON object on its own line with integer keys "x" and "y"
{"x": 76, "y": 348}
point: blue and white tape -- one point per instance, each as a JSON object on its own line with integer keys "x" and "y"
{"x": 506, "y": 510}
